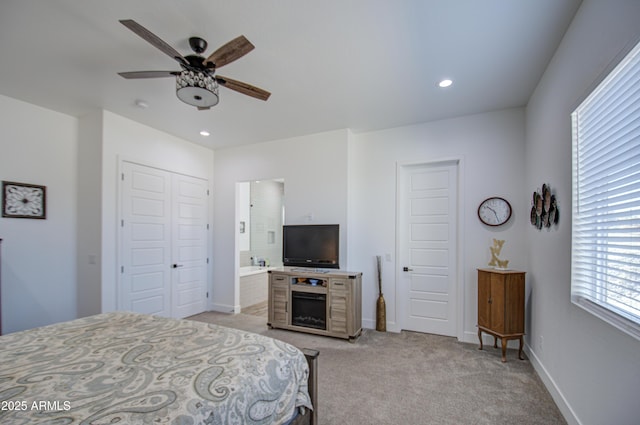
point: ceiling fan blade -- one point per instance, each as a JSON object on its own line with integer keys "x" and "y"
{"x": 148, "y": 74}
{"x": 153, "y": 39}
{"x": 235, "y": 49}
{"x": 243, "y": 88}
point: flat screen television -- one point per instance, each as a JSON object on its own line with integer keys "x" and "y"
{"x": 311, "y": 245}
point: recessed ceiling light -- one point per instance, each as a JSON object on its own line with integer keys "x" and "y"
{"x": 205, "y": 133}
{"x": 445, "y": 83}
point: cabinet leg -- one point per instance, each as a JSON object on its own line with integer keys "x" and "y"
{"x": 495, "y": 341}
{"x": 520, "y": 350}
{"x": 480, "y": 338}
{"x": 504, "y": 349}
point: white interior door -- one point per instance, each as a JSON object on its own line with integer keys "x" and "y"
{"x": 146, "y": 240}
{"x": 189, "y": 246}
{"x": 427, "y": 224}
{"x": 163, "y": 243}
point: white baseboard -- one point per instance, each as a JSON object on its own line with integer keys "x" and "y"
{"x": 371, "y": 324}
{"x": 368, "y": 324}
{"x": 472, "y": 338}
{"x": 224, "y": 308}
{"x": 549, "y": 383}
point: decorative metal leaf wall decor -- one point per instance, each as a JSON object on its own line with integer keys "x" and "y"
{"x": 544, "y": 208}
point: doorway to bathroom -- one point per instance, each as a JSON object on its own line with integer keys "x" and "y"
{"x": 260, "y": 219}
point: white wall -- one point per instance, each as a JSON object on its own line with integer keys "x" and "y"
{"x": 123, "y": 139}
{"x": 39, "y": 146}
{"x": 314, "y": 169}
{"x": 89, "y": 182}
{"x": 591, "y": 368}
{"x": 491, "y": 149}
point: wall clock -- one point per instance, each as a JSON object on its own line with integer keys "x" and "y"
{"x": 494, "y": 211}
{"x": 21, "y": 200}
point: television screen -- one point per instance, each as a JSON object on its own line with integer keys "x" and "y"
{"x": 311, "y": 245}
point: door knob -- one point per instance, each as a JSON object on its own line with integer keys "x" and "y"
{"x": 175, "y": 266}
{"x": 407, "y": 269}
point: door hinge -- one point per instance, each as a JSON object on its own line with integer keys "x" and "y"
{"x": 121, "y": 223}
{"x": 207, "y": 294}
{"x": 207, "y": 192}
{"x": 207, "y": 226}
{"x": 207, "y": 261}
{"x": 121, "y": 269}
{"x": 122, "y": 176}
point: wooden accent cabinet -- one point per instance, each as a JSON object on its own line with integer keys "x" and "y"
{"x": 501, "y": 307}
{"x": 337, "y": 296}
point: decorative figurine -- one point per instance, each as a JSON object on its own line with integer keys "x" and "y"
{"x": 495, "y": 252}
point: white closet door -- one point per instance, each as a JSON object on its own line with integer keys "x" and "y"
{"x": 145, "y": 284}
{"x": 163, "y": 243}
{"x": 189, "y": 245}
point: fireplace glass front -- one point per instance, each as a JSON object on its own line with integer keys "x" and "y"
{"x": 309, "y": 310}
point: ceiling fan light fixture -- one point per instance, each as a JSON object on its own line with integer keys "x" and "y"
{"x": 197, "y": 89}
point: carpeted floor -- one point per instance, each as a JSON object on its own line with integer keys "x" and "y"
{"x": 412, "y": 378}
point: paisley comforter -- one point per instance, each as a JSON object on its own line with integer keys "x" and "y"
{"x": 128, "y": 368}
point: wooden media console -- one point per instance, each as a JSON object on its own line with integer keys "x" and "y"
{"x": 318, "y": 302}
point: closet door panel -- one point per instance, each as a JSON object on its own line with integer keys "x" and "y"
{"x": 145, "y": 284}
{"x": 189, "y": 245}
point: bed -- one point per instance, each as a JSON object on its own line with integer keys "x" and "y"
{"x": 130, "y": 368}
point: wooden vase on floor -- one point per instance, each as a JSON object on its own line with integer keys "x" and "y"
{"x": 381, "y": 308}
{"x": 381, "y": 315}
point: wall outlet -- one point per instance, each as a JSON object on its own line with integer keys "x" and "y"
{"x": 540, "y": 343}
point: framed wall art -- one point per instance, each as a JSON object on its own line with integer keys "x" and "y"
{"x": 23, "y": 200}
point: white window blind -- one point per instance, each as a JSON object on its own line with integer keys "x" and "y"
{"x": 605, "y": 269}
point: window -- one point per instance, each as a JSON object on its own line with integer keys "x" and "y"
{"x": 605, "y": 261}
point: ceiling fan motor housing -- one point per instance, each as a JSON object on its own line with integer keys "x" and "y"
{"x": 198, "y": 44}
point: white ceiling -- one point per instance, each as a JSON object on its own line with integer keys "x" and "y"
{"x": 331, "y": 64}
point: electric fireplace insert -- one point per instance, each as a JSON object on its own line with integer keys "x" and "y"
{"x": 309, "y": 310}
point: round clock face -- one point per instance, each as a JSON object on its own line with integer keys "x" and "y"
{"x": 494, "y": 211}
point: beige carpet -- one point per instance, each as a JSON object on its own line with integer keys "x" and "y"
{"x": 413, "y": 378}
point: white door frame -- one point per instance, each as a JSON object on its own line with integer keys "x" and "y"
{"x": 401, "y": 168}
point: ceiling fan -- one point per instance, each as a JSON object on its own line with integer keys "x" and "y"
{"x": 197, "y": 83}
